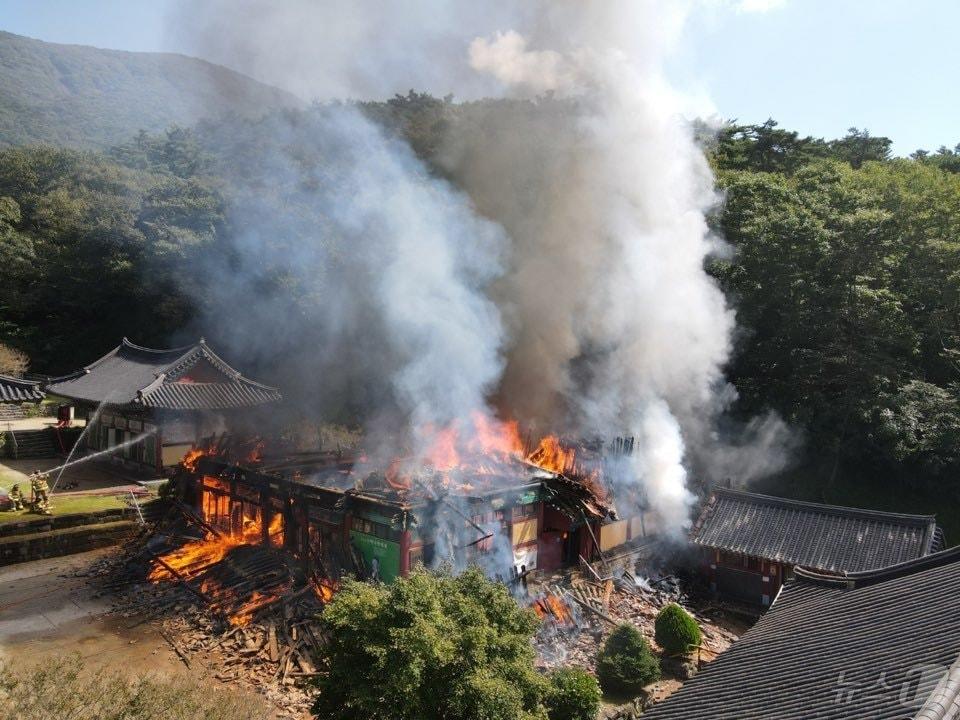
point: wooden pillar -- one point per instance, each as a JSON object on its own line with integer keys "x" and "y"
{"x": 405, "y": 542}
{"x": 266, "y": 514}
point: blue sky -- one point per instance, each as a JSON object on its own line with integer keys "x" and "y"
{"x": 816, "y": 66}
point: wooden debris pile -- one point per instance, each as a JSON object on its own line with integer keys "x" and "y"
{"x": 603, "y": 596}
{"x": 240, "y": 616}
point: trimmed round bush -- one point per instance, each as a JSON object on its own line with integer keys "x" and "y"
{"x": 625, "y": 663}
{"x": 574, "y": 695}
{"x": 675, "y": 630}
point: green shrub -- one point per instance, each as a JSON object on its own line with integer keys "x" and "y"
{"x": 429, "y": 646}
{"x": 675, "y": 631}
{"x": 625, "y": 662}
{"x": 573, "y": 695}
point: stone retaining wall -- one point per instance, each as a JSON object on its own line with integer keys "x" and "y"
{"x": 34, "y": 538}
{"x": 53, "y": 543}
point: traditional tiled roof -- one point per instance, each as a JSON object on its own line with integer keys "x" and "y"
{"x": 17, "y": 390}
{"x": 882, "y": 645}
{"x": 186, "y": 378}
{"x": 822, "y": 537}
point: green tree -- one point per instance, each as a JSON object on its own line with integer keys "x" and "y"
{"x": 859, "y": 146}
{"x": 428, "y": 646}
{"x": 574, "y": 695}
{"x": 675, "y": 630}
{"x": 625, "y": 663}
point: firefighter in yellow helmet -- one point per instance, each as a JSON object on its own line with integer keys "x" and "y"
{"x": 41, "y": 490}
{"x": 16, "y": 498}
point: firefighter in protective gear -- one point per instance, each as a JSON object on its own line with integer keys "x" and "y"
{"x": 41, "y": 488}
{"x": 16, "y": 498}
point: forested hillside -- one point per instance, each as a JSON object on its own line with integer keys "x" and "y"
{"x": 843, "y": 268}
{"x": 84, "y": 97}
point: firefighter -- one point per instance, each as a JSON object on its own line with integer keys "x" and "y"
{"x": 41, "y": 488}
{"x": 16, "y": 497}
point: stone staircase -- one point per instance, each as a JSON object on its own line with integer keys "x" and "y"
{"x": 9, "y": 411}
{"x": 40, "y": 443}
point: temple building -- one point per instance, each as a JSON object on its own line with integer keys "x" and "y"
{"x": 172, "y": 398}
{"x": 751, "y": 543}
{"x": 337, "y": 522}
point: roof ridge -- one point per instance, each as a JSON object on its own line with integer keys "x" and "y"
{"x": 823, "y": 507}
{"x": 944, "y": 701}
{"x": 126, "y": 342}
{"x": 866, "y": 578}
{"x": 20, "y": 381}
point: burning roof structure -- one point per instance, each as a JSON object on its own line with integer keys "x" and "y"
{"x": 498, "y": 504}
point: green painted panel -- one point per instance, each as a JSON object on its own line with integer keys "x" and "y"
{"x": 386, "y": 552}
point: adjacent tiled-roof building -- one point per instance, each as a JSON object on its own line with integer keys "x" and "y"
{"x": 185, "y": 378}
{"x": 883, "y": 644}
{"x": 752, "y": 542}
{"x": 155, "y": 405}
{"x": 17, "y": 390}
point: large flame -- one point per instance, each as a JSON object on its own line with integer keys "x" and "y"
{"x": 482, "y": 446}
{"x": 190, "y": 459}
{"x": 193, "y": 559}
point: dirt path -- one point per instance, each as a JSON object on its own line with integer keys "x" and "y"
{"x": 47, "y": 611}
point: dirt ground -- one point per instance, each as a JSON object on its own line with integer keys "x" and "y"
{"x": 47, "y": 611}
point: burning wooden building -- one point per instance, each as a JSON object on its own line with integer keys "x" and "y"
{"x": 169, "y": 398}
{"x": 336, "y": 515}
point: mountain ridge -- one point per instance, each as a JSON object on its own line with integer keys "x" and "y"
{"x": 84, "y": 97}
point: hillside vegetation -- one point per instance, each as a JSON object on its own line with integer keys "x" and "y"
{"x": 84, "y": 97}
{"x": 844, "y": 269}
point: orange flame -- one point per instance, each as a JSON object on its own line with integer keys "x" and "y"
{"x": 554, "y": 608}
{"x": 324, "y": 589}
{"x": 192, "y": 559}
{"x": 481, "y": 448}
{"x": 190, "y": 459}
{"x": 551, "y": 455}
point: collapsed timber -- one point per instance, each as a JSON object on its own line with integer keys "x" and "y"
{"x": 230, "y": 609}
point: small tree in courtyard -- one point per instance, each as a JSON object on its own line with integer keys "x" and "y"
{"x": 427, "y": 647}
{"x": 12, "y": 361}
{"x": 574, "y": 695}
{"x": 675, "y": 630}
{"x": 625, "y": 662}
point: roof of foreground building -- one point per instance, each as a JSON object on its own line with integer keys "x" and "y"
{"x": 822, "y": 537}
{"x": 883, "y": 645}
{"x": 185, "y": 378}
{"x": 18, "y": 390}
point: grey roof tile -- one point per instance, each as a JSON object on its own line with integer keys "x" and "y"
{"x": 17, "y": 390}
{"x": 882, "y": 645}
{"x": 135, "y": 375}
{"x": 823, "y": 537}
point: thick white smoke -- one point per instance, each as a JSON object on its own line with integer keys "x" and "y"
{"x": 635, "y": 333}
{"x": 570, "y": 289}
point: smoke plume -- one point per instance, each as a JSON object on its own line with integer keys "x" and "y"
{"x": 556, "y": 275}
